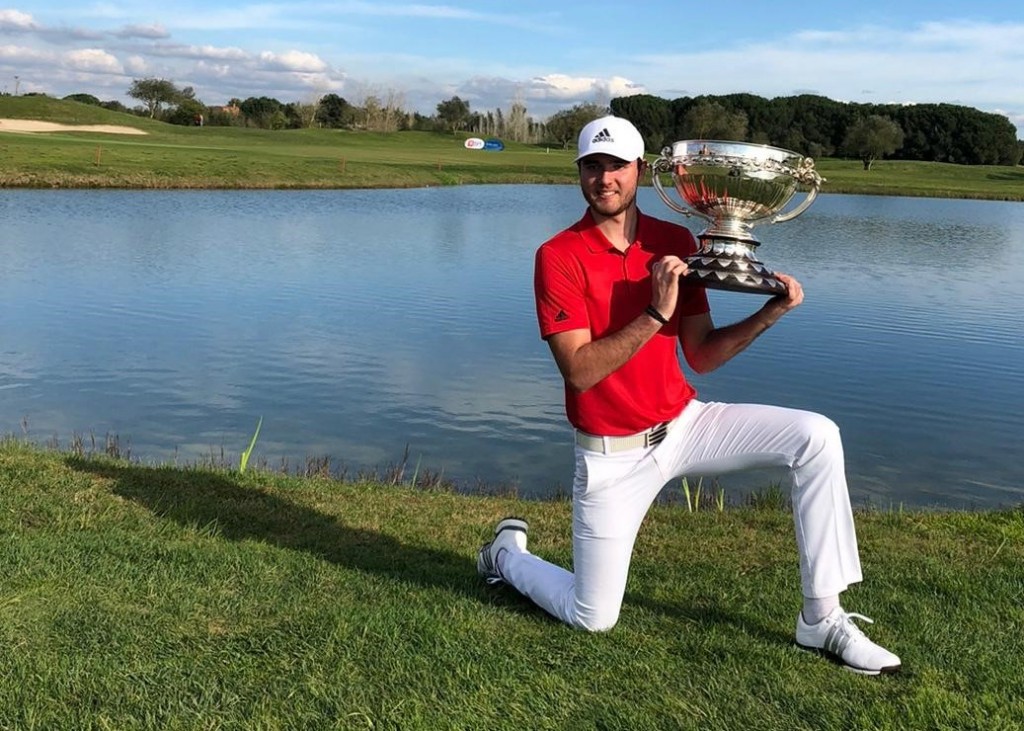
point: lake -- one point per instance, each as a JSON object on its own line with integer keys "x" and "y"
{"x": 364, "y": 326}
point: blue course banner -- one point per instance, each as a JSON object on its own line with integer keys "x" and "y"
{"x": 493, "y": 144}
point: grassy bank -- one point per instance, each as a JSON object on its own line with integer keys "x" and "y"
{"x": 137, "y": 597}
{"x": 171, "y": 156}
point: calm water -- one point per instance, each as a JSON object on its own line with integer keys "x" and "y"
{"x": 358, "y": 322}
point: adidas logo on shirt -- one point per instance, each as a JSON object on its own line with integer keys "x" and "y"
{"x": 603, "y": 136}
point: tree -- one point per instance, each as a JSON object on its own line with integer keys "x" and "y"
{"x": 372, "y": 113}
{"x": 873, "y": 137}
{"x": 813, "y": 122}
{"x": 650, "y": 115}
{"x": 817, "y": 126}
{"x": 561, "y": 128}
{"x": 420, "y": 122}
{"x": 334, "y": 112}
{"x": 709, "y": 120}
{"x": 517, "y": 126}
{"x": 301, "y": 115}
{"x": 392, "y": 112}
{"x": 263, "y": 112}
{"x": 83, "y": 98}
{"x": 115, "y": 106}
{"x": 154, "y": 93}
{"x": 564, "y": 127}
{"x": 453, "y": 113}
{"x": 763, "y": 116}
{"x": 187, "y": 112}
{"x": 483, "y": 123}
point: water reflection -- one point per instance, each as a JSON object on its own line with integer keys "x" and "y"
{"x": 357, "y": 322}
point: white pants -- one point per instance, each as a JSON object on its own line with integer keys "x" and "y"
{"x": 612, "y": 493}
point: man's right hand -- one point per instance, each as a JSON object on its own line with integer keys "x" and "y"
{"x": 665, "y": 274}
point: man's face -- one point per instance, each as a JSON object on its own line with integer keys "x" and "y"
{"x": 609, "y": 184}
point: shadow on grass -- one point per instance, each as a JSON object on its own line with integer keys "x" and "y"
{"x": 702, "y": 618}
{"x": 200, "y": 499}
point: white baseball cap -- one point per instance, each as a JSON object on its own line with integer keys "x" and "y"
{"x": 613, "y": 136}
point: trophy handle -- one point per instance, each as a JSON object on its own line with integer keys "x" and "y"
{"x": 809, "y": 176}
{"x": 668, "y": 201}
{"x": 659, "y": 167}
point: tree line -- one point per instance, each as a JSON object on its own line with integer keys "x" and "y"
{"x": 820, "y": 127}
{"x": 385, "y": 112}
{"x": 809, "y": 124}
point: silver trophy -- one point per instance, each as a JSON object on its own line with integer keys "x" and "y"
{"x": 734, "y": 186}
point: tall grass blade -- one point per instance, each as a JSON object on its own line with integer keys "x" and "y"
{"x": 244, "y": 461}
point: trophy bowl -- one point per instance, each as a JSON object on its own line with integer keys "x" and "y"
{"x": 734, "y": 186}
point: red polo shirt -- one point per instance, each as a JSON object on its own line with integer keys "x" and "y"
{"x": 581, "y": 281}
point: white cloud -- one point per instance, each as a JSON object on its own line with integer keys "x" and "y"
{"x": 292, "y": 61}
{"x": 322, "y": 83}
{"x": 214, "y": 70}
{"x": 154, "y": 31}
{"x": 561, "y": 86}
{"x": 1017, "y": 119}
{"x": 178, "y": 50}
{"x": 136, "y": 66}
{"x": 543, "y": 95}
{"x": 284, "y": 54}
{"x": 969, "y": 35}
{"x": 14, "y": 20}
{"x": 94, "y": 60}
{"x": 928, "y": 36}
{"x": 22, "y": 55}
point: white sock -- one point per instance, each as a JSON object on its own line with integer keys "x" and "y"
{"x": 816, "y": 609}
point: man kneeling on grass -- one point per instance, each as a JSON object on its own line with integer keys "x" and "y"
{"x": 613, "y": 311}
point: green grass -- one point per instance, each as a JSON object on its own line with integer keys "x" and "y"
{"x": 172, "y": 156}
{"x": 925, "y": 179}
{"x": 143, "y": 597}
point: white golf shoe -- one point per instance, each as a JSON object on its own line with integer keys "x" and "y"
{"x": 837, "y": 637}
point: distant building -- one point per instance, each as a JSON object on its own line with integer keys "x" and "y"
{"x": 231, "y": 110}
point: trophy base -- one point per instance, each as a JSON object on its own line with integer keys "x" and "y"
{"x": 730, "y": 265}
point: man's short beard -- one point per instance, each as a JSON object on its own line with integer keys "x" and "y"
{"x": 627, "y": 203}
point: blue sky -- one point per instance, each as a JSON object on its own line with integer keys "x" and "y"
{"x": 550, "y": 55}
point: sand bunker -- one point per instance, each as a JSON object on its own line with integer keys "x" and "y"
{"x": 29, "y": 125}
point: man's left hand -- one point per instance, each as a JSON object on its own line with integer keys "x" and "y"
{"x": 792, "y": 297}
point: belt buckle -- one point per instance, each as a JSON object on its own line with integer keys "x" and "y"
{"x": 656, "y": 434}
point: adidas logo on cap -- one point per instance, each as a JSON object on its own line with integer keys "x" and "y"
{"x": 610, "y": 135}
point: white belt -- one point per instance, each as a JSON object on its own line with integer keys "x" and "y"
{"x": 607, "y": 445}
